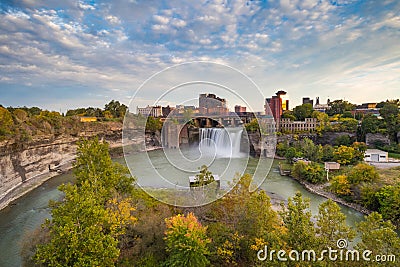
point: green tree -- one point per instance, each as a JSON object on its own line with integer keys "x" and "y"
{"x": 301, "y": 234}
{"x": 186, "y": 241}
{"x": 252, "y": 126}
{"x": 339, "y": 107}
{"x": 292, "y": 153}
{"x": 310, "y": 150}
{"x": 6, "y": 121}
{"x": 331, "y": 224}
{"x": 378, "y": 236}
{"x": 205, "y": 176}
{"x": 244, "y": 222}
{"x": 343, "y": 140}
{"x": 369, "y": 124}
{"x": 288, "y": 114}
{"x": 389, "y": 203}
{"x": 327, "y": 153}
{"x": 298, "y": 169}
{"x": 116, "y": 109}
{"x": 390, "y": 112}
{"x": 153, "y": 124}
{"x": 86, "y": 225}
{"x": 303, "y": 111}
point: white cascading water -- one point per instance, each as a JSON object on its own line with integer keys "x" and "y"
{"x": 222, "y": 142}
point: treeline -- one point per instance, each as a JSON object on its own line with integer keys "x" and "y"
{"x": 341, "y": 117}
{"x": 356, "y": 182}
{"x": 23, "y": 123}
{"x": 105, "y": 220}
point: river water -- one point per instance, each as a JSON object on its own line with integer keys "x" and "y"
{"x": 28, "y": 212}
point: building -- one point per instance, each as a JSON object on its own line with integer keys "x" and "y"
{"x": 330, "y": 165}
{"x": 154, "y": 111}
{"x": 321, "y": 107}
{"x": 307, "y": 100}
{"x": 166, "y": 110}
{"x": 308, "y": 125}
{"x": 88, "y": 119}
{"x": 240, "y": 109}
{"x": 275, "y": 106}
{"x": 211, "y": 104}
{"x": 376, "y": 155}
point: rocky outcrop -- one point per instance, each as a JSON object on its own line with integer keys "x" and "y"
{"x": 21, "y": 163}
{"x": 372, "y": 139}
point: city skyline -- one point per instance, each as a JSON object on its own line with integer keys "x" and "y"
{"x": 73, "y": 54}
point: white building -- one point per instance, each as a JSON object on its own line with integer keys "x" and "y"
{"x": 376, "y": 155}
{"x": 309, "y": 124}
{"x": 154, "y": 111}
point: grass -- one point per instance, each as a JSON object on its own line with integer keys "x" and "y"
{"x": 394, "y": 155}
{"x": 389, "y": 176}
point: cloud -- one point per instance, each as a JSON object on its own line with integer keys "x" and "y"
{"x": 306, "y": 47}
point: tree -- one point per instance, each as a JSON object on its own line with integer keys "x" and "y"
{"x": 287, "y": 114}
{"x": 243, "y": 222}
{"x": 343, "y": 140}
{"x": 344, "y": 155}
{"x": 369, "y": 124}
{"x": 310, "y": 150}
{"x": 303, "y": 111}
{"x": 86, "y": 225}
{"x": 205, "y": 176}
{"x": 331, "y": 224}
{"x": 20, "y": 114}
{"x": 6, "y": 121}
{"x": 339, "y": 107}
{"x": 314, "y": 173}
{"x": 116, "y": 109}
{"x": 300, "y": 233}
{"x": 252, "y": 126}
{"x": 390, "y": 113}
{"x": 186, "y": 241}
{"x": 323, "y": 120}
{"x": 362, "y": 173}
{"x": 360, "y": 148}
{"x": 327, "y": 153}
{"x": 153, "y": 124}
{"x": 340, "y": 185}
{"x": 378, "y": 236}
{"x": 389, "y": 203}
{"x": 292, "y": 153}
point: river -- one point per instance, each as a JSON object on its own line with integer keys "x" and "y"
{"x": 28, "y": 212}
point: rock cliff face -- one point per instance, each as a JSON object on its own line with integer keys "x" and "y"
{"x": 20, "y": 163}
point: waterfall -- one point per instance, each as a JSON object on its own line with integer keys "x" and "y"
{"x": 222, "y": 142}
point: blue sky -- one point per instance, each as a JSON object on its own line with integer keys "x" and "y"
{"x": 67, "y": 54}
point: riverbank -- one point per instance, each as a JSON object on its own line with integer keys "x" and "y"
{"x": 319, "y": 189}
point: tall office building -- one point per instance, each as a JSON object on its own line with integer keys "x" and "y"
{"x": 276, "y": 105}
{"x": 307, "y": 100}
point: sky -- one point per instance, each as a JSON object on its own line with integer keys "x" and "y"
{"x": 63, "y": 54}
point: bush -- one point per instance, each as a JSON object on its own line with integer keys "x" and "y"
{"x": 340, "y": 185}
{"x": 362, "y": 173}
